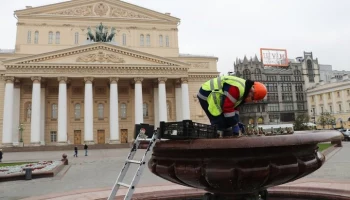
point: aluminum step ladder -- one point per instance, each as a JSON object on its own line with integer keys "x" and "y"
{"x": 142, "y": 163}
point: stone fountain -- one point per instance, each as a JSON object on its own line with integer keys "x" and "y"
{"x": 239, "y": 168}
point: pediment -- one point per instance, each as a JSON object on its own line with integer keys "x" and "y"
{"x": 96, "y": 53}
{"x": 97, "y": 8}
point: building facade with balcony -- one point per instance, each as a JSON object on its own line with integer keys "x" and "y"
{"x": 286, "y": 86}
{"x": 332, "y": 97}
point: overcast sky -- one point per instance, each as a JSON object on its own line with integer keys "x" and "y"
{"x": 233, "y": 28}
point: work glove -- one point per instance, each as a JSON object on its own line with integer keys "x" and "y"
{"x": 235, "y": 130}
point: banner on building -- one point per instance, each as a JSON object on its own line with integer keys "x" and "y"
{"x": 274, "y": 57}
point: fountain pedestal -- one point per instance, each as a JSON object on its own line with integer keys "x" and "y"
{"x": 239, "y": 168}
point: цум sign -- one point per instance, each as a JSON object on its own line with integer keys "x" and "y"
{"x": 274, "y": 57}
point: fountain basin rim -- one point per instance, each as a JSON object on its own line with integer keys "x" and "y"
{"x": 296, "y": 139}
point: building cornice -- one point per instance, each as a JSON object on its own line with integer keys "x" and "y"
{"x": 321, "y": 89}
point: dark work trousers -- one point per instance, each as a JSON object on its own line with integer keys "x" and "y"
{"x": 219, "y": 121}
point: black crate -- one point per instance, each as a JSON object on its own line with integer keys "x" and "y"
{"x": 149, "y": 130}
{"x": 186, "y": 130}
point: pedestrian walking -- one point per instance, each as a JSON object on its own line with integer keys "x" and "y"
{"x": 75, "y": 151}
{"x": 86, "y": 148}
{"x": 1, "y": 154}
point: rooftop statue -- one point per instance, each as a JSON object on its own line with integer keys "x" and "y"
{"x": 101, "y": 34}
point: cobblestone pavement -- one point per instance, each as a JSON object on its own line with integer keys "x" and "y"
{"x": 101, "y": 168}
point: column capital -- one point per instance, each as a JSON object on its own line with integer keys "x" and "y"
{"x": 113, "y": 80}
{"x": 162, "y": 80}
{"x": 88, "y": 79}
{"x": 138, "y": 80}
{"x": 62, "y": 79}
{"x": 36, "y": 79}
{"x": 17, "y": 83}
{"x": 9, "y": 79}
{"x": 184, "y": 80}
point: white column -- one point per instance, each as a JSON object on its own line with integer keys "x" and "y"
{"x": 8, "y": 111}
{"x": 343, "y": 106}
{"x": 185, "y": 99}
{"x": 163, "y": 116}
{"x": 178, "y": 101}
{"x": 62, "y": 110}
{"x": 35, "y": 118}
{"x": 16, "y": 113}
{"x": 138, "y": 101}
{"x": 155, "y": 106}
{"x": 88, "y": 111}
{"x": 113, "y": 112}
{"x": 42, "y": 117}
{"x": 333, "y": 102}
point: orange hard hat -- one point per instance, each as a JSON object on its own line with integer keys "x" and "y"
{"x": 260, "y": 91}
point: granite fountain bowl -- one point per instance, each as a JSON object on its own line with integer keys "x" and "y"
{"x": 240, "y": 166}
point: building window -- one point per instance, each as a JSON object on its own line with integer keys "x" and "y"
{"x": 160, "y": 40}
{"x": 148, "y": 40}
{"x": 36, "y": 37}
{"x": 330, "y": 109}
{"x": 260, "y": 120}
{"x": 100, "y": 109}
{"x": 329, "y": 95}
{"x": 273, "y": 107}
{"x": 258, "y": 75}
{"x": 76, "y": 38}
{"x": 339, "y": 108}
{"x": 145, "y": 110}
{"x": 285, "y": 78}
{"x": 258, "y": 108}
{"x": 286, "y": 87}
{"x": 320, "y": 97}
{"x": 288, "y": 107}
{"x": 321, "y": 109}
{"x": 271, "y": 87}
{"x": 58, "y": 37}
{"x": 29, "y": 37}
{"x": 124, "y": 39}
{"x": 142, "y": 40}
{"x": 77, "y": 110}
{"x": 246, "y": 74}
{"x": 123, "y": 111}
{"x": 50, "y": 37}
{"x": 287, "y": 97}
{"x": 299, "y": 87}
{"x": 301, "y": 107}
{"x": 338, "y": 94}
{"x": 312, "y": 98}
{"x": 348, "y": 92}
{"x": 53, "y": 136}
{"x": 300, "y": 96}
{"x": 54, "y": 112}
{"x": 310, "y": 71}
{"x": 297, "y": 75}
{"x": 271, "y": 78}
{"x": 167, "y": 41}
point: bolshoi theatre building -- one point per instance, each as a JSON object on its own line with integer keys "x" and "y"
{"x": 87, "y": 71}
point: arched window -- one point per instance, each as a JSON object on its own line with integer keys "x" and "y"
{"x": 77, "y": 111}
{"x": 148, "y": 40}
{"x": 310, "y": 71}
{"x": 36, "y": 37}
{"x": 145, "y": 110}
{"x": 160, "y": 40}
{"x": 260, "y": 120}
{"x": 258, "y": 75}
{"x": 124, "y": 39}
{"x": 246, "y": 74}
{"x": 50, "y": 37}
{"x": 167, "y": 41}
{"x": 141, "y": 40}
{"x": 58, "y": 37}
{"x": 251, "y": 121}
{"x": 29, "y": 37}
{"x": 54, "y": 112}
{"x": 76, "y": 38}
{"x": 123, "y": 111}
{"x": 100, "y": 111}
{"x": 297, "y": 75}
{"x": 168, "y": 106}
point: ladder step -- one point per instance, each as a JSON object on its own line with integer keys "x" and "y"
{"x": 133, "y": 161}
{"x": 124, "y": 184}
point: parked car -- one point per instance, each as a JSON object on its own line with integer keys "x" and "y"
{"x": 346, "y": 134}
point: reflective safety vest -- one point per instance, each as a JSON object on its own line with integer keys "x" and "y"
{"x": 216, "y": 96}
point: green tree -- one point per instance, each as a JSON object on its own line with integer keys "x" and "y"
{"x": 301, "y": 121}
{"x": 326, "y": 118}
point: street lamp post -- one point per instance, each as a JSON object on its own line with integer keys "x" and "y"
{"x": 20, "y": 128}
{"x": 314, "y": 115}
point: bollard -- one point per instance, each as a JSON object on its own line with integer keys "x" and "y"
{"x": 28, "y": 173}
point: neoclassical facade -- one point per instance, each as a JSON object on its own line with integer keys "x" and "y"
{"x": 61, "y": 87}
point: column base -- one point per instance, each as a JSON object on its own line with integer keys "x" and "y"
{"x": 18, "y": 144}
{"x": 91, "y": 142}
{"x": 7, "y": 145}
{"x": 61, "y": 143}
{"x": 35, "y": 144}
{"x": 114, "y": 142}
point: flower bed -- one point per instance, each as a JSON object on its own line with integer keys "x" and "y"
{"x": 37, "y": 167}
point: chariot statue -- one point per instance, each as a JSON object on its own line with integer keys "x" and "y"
{"x": 101, "y": 34}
